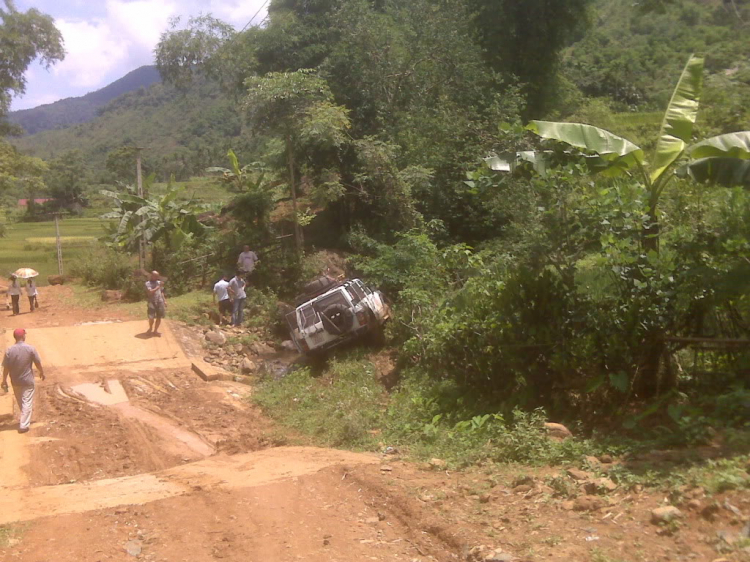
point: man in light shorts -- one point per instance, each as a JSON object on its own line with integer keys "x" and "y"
{"x": 17, "y": 363}
{"x": 157, "y": 302}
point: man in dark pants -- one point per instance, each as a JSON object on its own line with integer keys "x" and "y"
{"x": 17, "y": 363}
{"x": 15, "y": 294}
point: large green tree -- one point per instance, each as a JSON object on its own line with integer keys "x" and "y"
{"x": 67, "y": 179}
{"x": 24, "y": 37}
{"x": 525, "y": 39}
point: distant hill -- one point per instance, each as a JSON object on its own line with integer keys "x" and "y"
{"x": 72, "y": 111}
{"x": 183, "y": 132}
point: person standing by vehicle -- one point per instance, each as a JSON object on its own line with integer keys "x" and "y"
{"x": 238, "y": 295}
{"x": 247, "y": 260}
{"x": 15, "y": 294}
{"x": 32, "y": 293}
{"x": 17, "y": 363}
{"x": 157, "y": 302}
{"x": 221, "y": 293}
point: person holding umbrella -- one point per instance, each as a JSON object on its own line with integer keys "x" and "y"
{"x": 15, "y": 294}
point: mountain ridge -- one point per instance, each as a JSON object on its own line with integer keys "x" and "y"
{"x": 75, "y": 110}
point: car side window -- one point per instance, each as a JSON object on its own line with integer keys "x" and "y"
{"x": 355, "y": 293}
{"x": 366, "y": 289}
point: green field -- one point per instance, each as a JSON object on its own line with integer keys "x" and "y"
{"x": 32, "y": 244}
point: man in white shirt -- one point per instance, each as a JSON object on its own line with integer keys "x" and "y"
{"x": 15, "y": 294}
{"x": 247, "y": 260}
{"x": 221, "y": 293}
{"x": 237, "y": 293}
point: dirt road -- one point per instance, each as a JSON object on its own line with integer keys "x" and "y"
{"x": 131, "y": 455}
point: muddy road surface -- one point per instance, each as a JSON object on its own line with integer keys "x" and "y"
{"x": 132, "y": 456}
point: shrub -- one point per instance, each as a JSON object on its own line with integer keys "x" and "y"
{"x": 108, "y": 269}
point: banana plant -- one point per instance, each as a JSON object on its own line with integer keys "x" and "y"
{"x": 158, "y": 218}
{"x": 721, "y": 160}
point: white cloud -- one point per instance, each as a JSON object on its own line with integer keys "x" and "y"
{"x": 92, "y": 52}
{"x": 118, "y": 36}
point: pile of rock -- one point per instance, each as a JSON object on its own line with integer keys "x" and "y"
{"x": 241, "y": 358}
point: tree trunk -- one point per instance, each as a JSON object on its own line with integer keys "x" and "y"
{"x": 293, "y": 188}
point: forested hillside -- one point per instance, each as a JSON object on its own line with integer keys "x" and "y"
{"x": 183, "y": 131}
{"x": 71, "y": 111}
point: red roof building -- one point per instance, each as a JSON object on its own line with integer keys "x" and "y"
{"x": 25, "y": 202}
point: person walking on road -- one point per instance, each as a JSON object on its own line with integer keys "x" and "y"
{"x": 15, "y": 294}
{"x": 221, "y": 293}
{"x": 247, "y": 260}
{"x": 32, "y": 293}
{"x": 237, "y": 293}
{"x": 157, "y": 303}
{"x": 17, "y": 363}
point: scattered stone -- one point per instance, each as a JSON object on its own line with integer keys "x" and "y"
{"x": 288, "y": 345}
{"x": 390, "y": 450}
{"x": 56, "y": 279}
{"x": 728, "y": 537}
{"x": 134, "y": 547}
{"x": 248, "y": 366}
{"x": 711, "y": 511}
{"x": 438, "y": 464}
{"x": 216, "y": 337}
{"x": 499, "y": 556}
{"x": 588, "y": 503}
{"x": 111, "y": 296}
{"x": 734, "y": 509}
{"x": 372, "y": 520}
{"x": 606, "y": 459}
{"x": 557, "y": 431}
{"x": 578, "y": 475}
{"x": 208, "y": 359}
{"x": 665, "y": 514}
{"x": 522, "y": 489}
{"x": 694, "y": 505}
{"x": 600, "y": 486}
{"x": 478, "y": 553}
{"x": 745, "y": 533}
{"x": 485, "y": 498}
{"x": 593, "y": 462}
{"x": 261, "y": 348}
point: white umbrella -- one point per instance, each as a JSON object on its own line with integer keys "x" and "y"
{"x": 25, "y": 273}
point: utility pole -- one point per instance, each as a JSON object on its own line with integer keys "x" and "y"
{"x": 139, "y": 183}
{"x": 59, "y": 245}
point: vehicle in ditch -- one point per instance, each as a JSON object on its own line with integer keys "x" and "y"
{"x": 331, "y": 312}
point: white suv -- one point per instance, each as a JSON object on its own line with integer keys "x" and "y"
{"x": 335, "y": 312}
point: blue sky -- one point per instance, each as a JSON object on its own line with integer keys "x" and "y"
{"x": 105, "y": 39}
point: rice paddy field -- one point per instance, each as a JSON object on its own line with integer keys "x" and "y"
{"x": 32, "y": 244}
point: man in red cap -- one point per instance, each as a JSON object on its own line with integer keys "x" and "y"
{"x": 17, "y": 363}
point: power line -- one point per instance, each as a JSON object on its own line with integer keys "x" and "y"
{"x": 255, "y": 16}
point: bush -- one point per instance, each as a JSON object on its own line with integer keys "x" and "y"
{"x": 109, "y": 269}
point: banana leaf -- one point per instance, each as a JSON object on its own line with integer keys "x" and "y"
{"x": 730, "y": 145}
{"x": 677, "y": 126}
{"x": 728, "y": 172}
{"x": 613, "y": 149}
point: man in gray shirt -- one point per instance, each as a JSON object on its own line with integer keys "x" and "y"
{"x": 17, "y": 363}
{"x": 157, "y": 302}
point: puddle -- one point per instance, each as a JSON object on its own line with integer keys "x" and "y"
{"x": 107, "y": 394}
